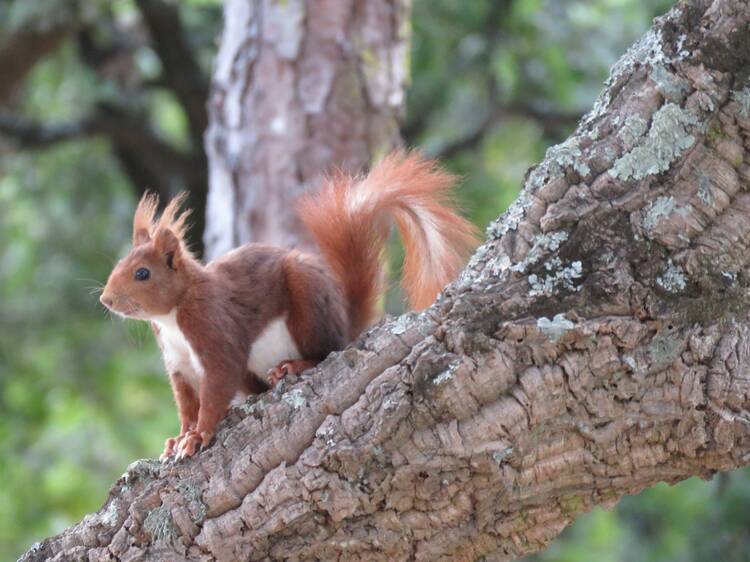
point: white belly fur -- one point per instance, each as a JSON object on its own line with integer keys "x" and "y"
{"x": 274, "y": 345}
{"x": 177, "y": 351}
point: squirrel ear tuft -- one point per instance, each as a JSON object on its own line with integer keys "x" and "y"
{"x": 143, "y": 220}
{"x": 173, "y": 219}
{"x": 169, "y": 246}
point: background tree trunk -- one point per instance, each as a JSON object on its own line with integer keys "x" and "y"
{"x": 299, "y": 87}
{"x": 597, "y": 343}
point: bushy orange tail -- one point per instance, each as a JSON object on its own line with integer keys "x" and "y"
{"x": 350, "y": 219}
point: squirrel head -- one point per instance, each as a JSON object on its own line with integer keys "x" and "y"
{"x": 151, "y": 280}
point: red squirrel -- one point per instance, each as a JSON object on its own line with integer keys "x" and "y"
{"x": 237, "y": 325}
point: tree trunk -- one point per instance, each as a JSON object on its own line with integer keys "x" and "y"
{"x": 596, "y": 344}
{"x": 299, "y": 87}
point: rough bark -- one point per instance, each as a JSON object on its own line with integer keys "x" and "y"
{"x": 299, "y": 87}
{"x": 596, "y": 344}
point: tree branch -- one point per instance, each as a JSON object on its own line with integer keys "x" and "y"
{"x": 595, "y": 345}
{"x": 551, "y": 122}
{"x": 554, "y": 124}
{"x": 121, "y": 126}
{"x": 29, "y": 134}
{"x": 150, "y": 163}
{"x": 24, "y": 47}
{"x": 182, "y": 73}
{"x": 153, "y": 164}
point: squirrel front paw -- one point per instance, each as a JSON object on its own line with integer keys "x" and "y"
{"x": 191, "y": 442}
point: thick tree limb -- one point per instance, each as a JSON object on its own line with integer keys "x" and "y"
{"x": 598, "y": 343}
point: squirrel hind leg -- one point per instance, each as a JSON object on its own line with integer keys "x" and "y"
{"x": 291, "y": 367}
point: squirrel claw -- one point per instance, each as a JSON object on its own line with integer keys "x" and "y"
{"x": 169, "y": 448}
{"x": 277, "y": 373}
{"x": 293, "y": 367}
{"x": 191, "y": 443}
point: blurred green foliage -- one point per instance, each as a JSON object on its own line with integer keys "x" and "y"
{"x": 80, "y": 396}
{"x": 493, "y": 84}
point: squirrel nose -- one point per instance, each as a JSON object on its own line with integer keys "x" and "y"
{"x": 106, "y": 300}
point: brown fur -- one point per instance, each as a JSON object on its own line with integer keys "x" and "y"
{"x": 313, "y": 295}
{"x": 207, "y": 319}
{"x": 187, "y": 409}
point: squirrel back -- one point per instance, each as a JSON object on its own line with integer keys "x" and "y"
{"x": 350, "y": 219}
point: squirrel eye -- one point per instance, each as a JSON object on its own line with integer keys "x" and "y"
{"x": 142, "y": 274}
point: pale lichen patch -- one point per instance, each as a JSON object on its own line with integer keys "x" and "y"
{"x": 632, "y": 130}
{"x": 399, "y": 326}
{"x": 295, "y": 398}
{"x": 491, "y": 264}
{"x": 141, "y": 468}
{"x": 704, "y": 186}
{"x": 667, "y": 139}
{"x": 674, "y": 279}
{"x": 647, "y": 51}
{"x": 681, "y": 50}
{"x": 663, "y": 350}
{"x": 251, "y": 407}
{"x": 556, "y": 328}
{"x": 390, "y": 403}
{"x": 742, "y": 97}
{"x": 658, "y": 209}
{"x": 327, "y": 431}
{"x": 159, "y": 525}
{"x": 563, "y": 278}
{"x": 500, "y": 456}
{"x": 446, "y": 375}
{"x": 661, "y": 208}
{"x": 511, "y": 218}
{"x": 543, "y": 242}
{"x": 705, "y": 102}
{"x": 498, "y": 264}
{"x": 629, "y": 360}
{"x": 191, "y": 491}
{"x": 671, "y": 86}
{"x": 110, "y": 515}
{"x": 566, "y": 154}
